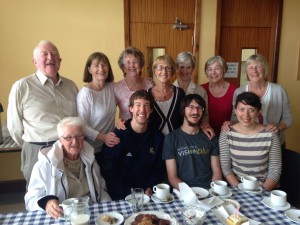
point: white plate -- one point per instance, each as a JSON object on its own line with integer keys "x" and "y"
{"x": 160, "y": 215}
{"x": 241, "y": 187}
{"x": 293, "y": 215}
{"x": 156, "y": 199}
{"x": 267, "y": 202}
{"x": 200, "y": 192}
{"x": 128, "y": 199}
{"x": 99, "y": 220}
{"x": 228, "y": 201}
{"x": 228, "y": 194}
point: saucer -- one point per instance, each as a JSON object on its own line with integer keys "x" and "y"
{"x": 128, "y": 199}
{"x": 118, "y": 216}
{"x": 242, "y": 188}
{"x": 200, "y": 193}
{"x": 228, "y": 194}
{"x": 158, "y": 200}
{"x": 293, "y": 215}
{"x": 228, "y": 201}
{"x": 267, "y": 202}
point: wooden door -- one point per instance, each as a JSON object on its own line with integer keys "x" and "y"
{"x": 249, "y": 24}
{"x": 149, "y": 24}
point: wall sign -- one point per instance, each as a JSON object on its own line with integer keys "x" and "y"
{"x": 233, "y": 70}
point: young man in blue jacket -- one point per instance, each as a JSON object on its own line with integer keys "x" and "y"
{"x": 136, "y": 162}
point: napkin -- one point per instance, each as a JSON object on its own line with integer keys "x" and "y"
{"x": 209, "y": 203}
{"x": 187, "y": 194}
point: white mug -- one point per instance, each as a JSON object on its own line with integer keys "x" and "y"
{"x": 67, "y": 208}
{"x": 219, "y": 186}
{"x": 249, "y": 182}
{"x": 278, "y": 198}
{"x": 162, "y": 191}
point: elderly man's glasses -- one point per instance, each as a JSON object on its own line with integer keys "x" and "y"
{"x": 165, "y": 68}
{"x": 198, "y": 108}
{"x": 77, "y": 137}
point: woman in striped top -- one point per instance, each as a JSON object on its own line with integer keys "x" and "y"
{"x": 248, "y": 149}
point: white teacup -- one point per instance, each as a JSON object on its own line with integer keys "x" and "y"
{"x": 67, "y": 208}
{"x": 278, "y": 198}
{"x": 249, "y": 182}
{"x": 219, "y": 186}
{"x": 162, "y": 191}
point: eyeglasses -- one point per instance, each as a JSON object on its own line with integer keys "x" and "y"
{"x": 165, "y": 68}
{"x": 127, "y": 63}
{"x": 198, "y": 108}
{"x": 77, "y": 137}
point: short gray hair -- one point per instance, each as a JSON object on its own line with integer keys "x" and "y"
{"x": 43, "y": 42}
{"x": 255, "y": 59}
{"x": 185, "y": 57}
{"x": 75, "y": 121}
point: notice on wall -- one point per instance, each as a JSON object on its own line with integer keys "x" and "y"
{"x": 233, "y": 70}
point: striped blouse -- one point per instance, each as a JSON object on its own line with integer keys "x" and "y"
{"x": 258, "y": 155}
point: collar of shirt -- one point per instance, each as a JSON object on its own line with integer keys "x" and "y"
{"x": 43, "y": 78}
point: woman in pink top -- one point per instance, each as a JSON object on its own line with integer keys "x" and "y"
{"x": 219, "y": 91}
{"x": 131, "y": 62}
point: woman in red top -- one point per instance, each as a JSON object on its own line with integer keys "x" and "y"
{"x": 219, "y": 91}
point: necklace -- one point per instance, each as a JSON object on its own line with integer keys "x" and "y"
{"x": 138, "y": 84}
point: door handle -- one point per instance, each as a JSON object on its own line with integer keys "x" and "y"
{"x": 178, "y": 25}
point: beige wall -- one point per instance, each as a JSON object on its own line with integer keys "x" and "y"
{"x": 79, "y": 28}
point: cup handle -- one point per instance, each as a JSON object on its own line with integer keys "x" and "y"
{"x": 212, "y": 184}
{"x": 154, "y": 189}
{"x": 242, "y": 179}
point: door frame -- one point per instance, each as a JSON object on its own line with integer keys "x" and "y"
{"x": 196, "y": 35}
{"x": 277, "y": 33}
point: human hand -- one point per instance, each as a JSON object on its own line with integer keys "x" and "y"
{"x": 149, "y": 191}
{"x": 210, "y": 133}
{"x": 110, "y": 139}
{"x": 226, "y": 126}
{"x": 53, "y": 209}
{"x": 204, "y": 125}
{"x": 121, "y": 124}
{"x": 151, "y": 80}
{"x": 272, "y": 127}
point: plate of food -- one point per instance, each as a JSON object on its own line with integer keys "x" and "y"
{"x": 151, "y": 217}
{"x": 232, "y": 202}
{"x": 109, "y": 218}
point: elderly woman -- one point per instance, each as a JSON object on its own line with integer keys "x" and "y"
{"x": 249, "y": 148}
{"x": 185, "y": 65}
{"x": 166, "y": 116}
{"x": 220, "y": 93}
{"x": 131, "y": 62}
{"x": 67, "y": 169}
{"x": 276, "y": 112}
{"x": 96, "y": 102}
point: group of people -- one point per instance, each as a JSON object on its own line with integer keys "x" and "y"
{"x": 180, "y": 132}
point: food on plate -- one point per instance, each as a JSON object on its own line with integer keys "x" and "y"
{"x": 109, "y": 219}
{"x": 149, "y": 219}
{"x": 193, "y": 215}
{"x": 236, "y": 219}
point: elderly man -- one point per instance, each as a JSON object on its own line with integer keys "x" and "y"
{"x": 66, "y": 170}
{"x": 37, "y": 103}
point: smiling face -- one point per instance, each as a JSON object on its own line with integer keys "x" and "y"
{"x": 255, "y": 71}
{"x": 163, "y": 72}
{"x": 140, "y": 110}
{"x": 246, "y": 114}
{"x": 185, "y": 71}
{"x": 72, "y": 141}
{"x": 47, "y": 59}
{"x": 214, "y": 72}
{"x": 99, "y": 71}
{"x": 193, "y": 114}
{"x": 131, "y": 66}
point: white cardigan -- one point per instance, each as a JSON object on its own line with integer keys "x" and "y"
{"x": 48, "y": 177}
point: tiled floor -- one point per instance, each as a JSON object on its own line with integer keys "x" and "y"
{"x": 12, "y": 202}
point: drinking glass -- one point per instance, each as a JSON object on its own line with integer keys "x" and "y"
{"x": 137, "y": 199}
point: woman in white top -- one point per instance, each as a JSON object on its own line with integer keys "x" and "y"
{"x": 185, "y": 65}
{"x": 96, "y": 102}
